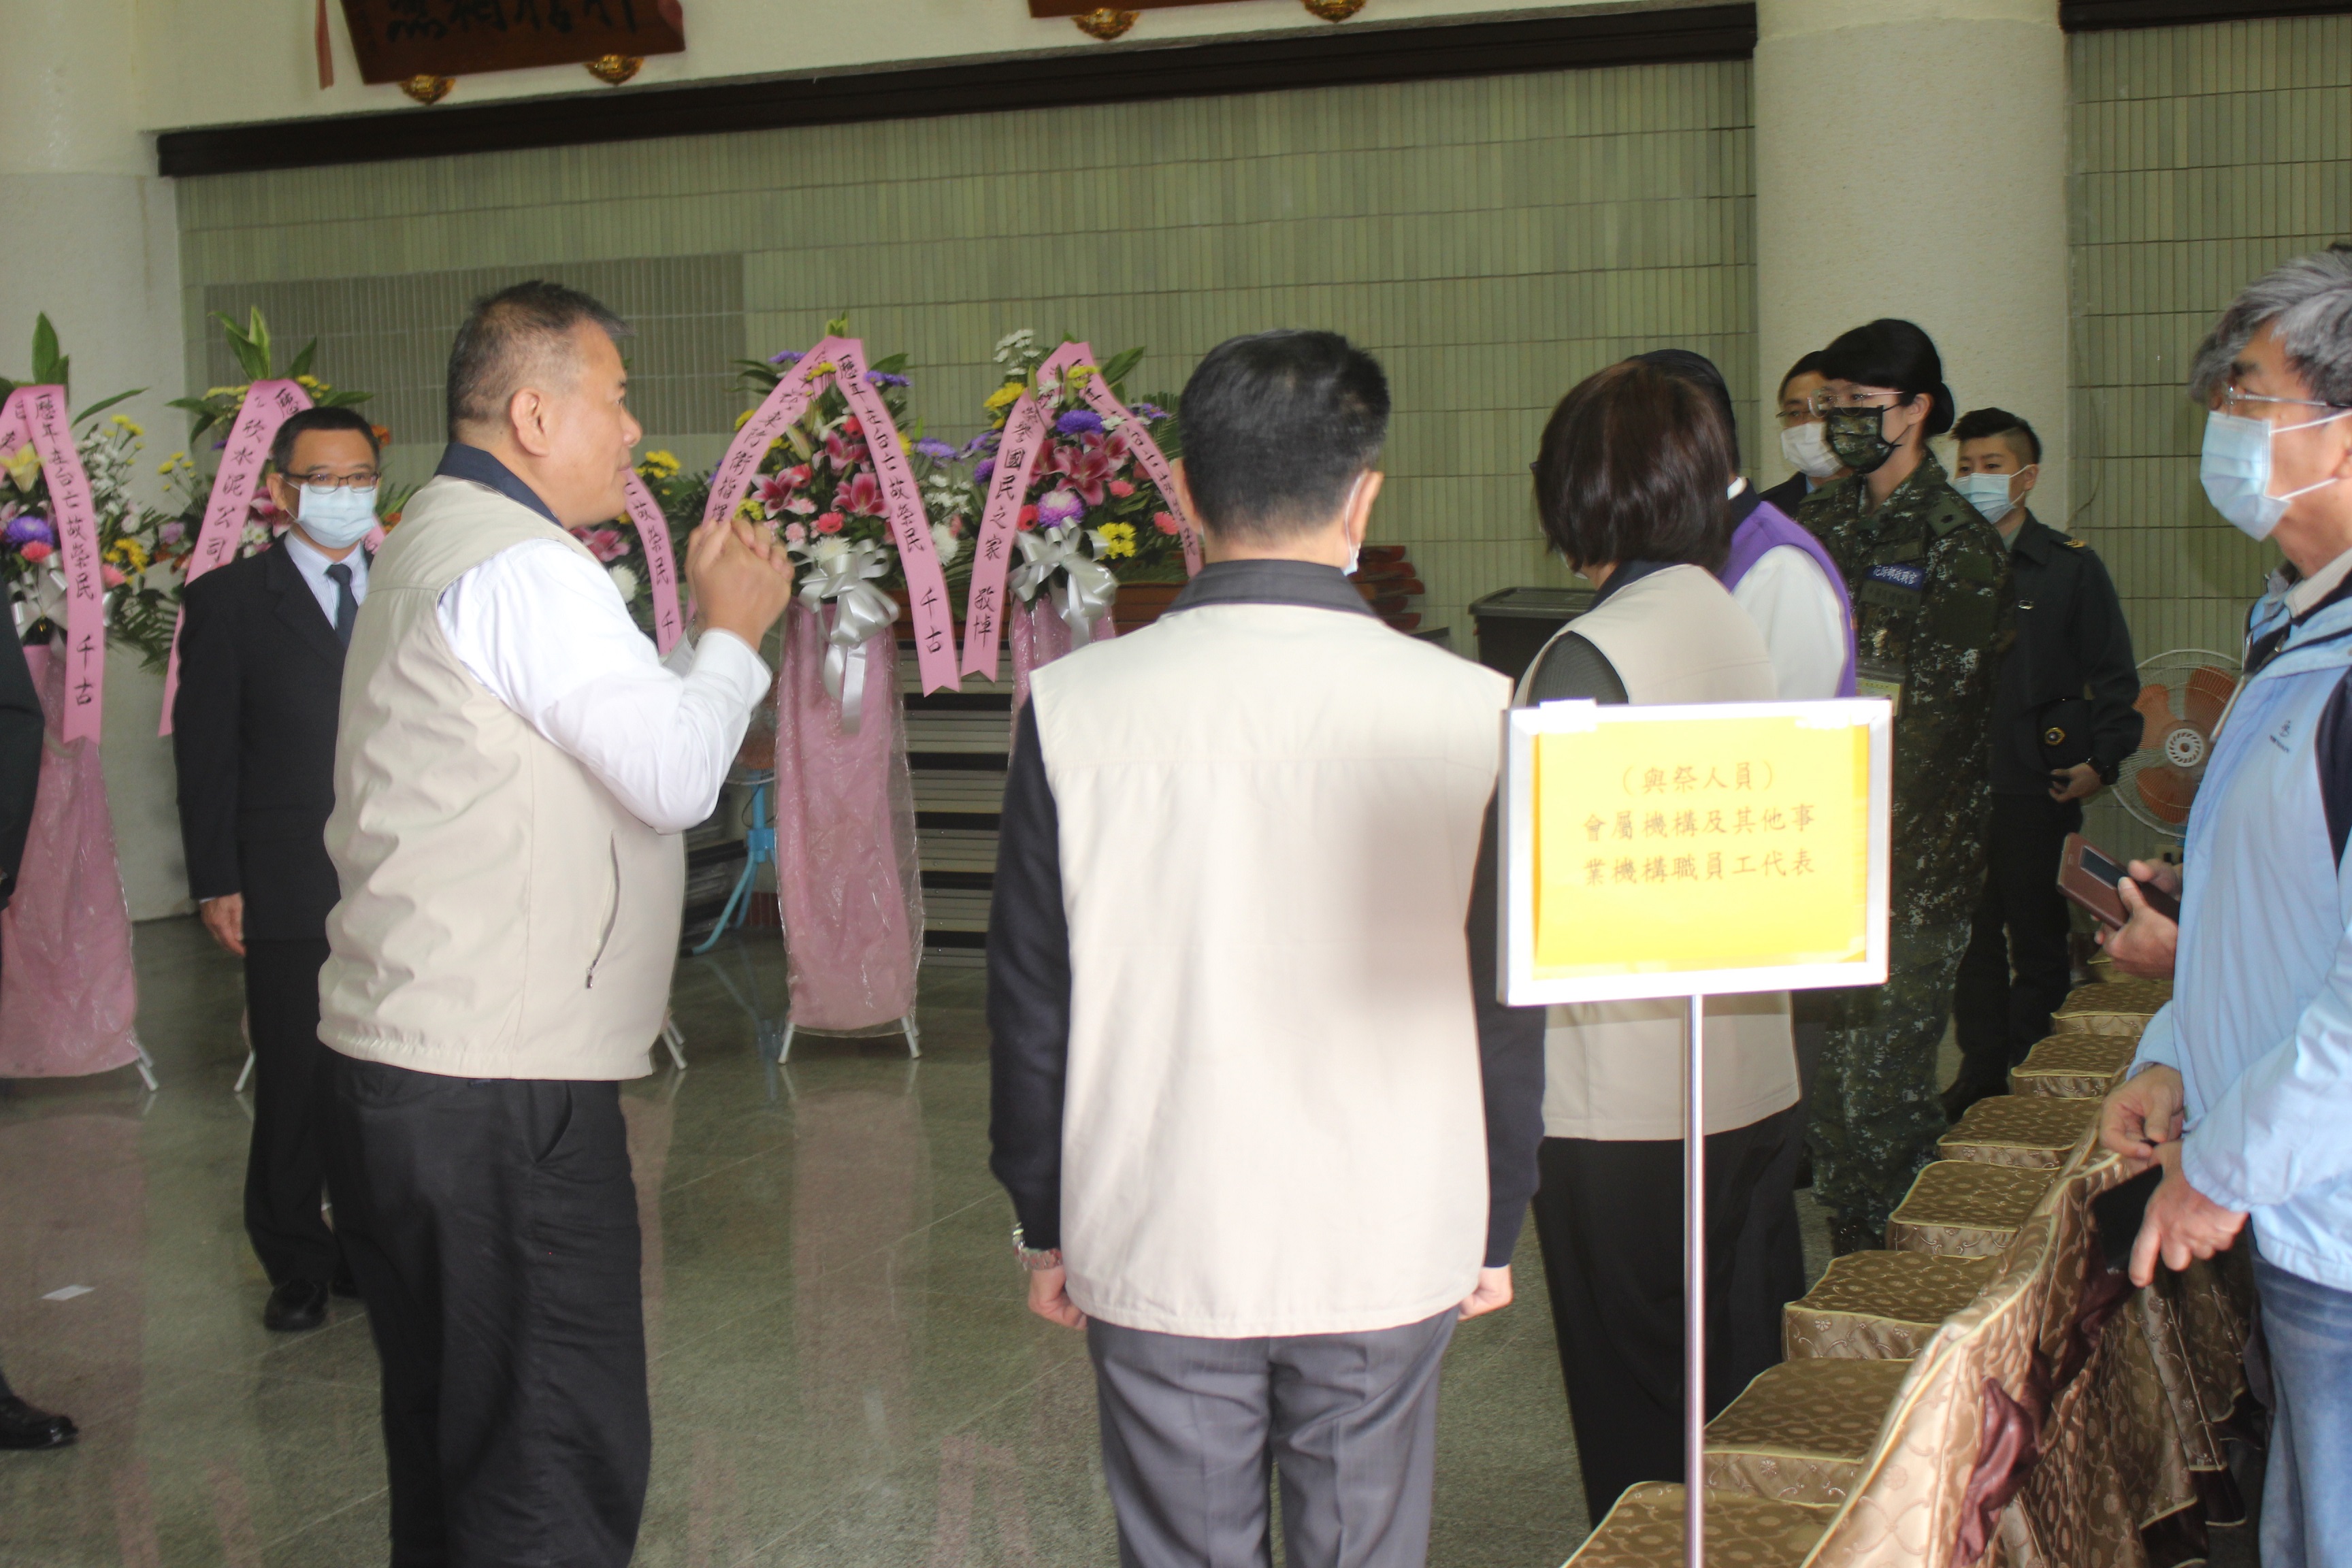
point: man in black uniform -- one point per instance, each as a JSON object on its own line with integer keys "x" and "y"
{"x": 253, "y": 731}
{"x": 2062, "y": 722}
{"x": 22, "y": 1426}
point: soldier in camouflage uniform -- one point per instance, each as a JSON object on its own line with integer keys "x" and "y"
{"x": 1929, "y": 581}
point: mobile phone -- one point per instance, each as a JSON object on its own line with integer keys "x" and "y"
{"x": 2089, "y": 877}
{"x": 2115, "y": 1214}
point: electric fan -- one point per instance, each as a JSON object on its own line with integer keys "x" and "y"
{"x": 2182, "y": 695}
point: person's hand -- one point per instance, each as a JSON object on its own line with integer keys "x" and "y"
{"x": 1494, "y": 1291}
{"x": 2181, "y": 1222}
{"x": 223, "y": 917}
{"x": 2078, "y": 782}
{"x": 1049, "y": 1297}
{"x": 742, "y": 578}
{"x": 2142, "y": 1114}
{"x": 2144, "y": 947}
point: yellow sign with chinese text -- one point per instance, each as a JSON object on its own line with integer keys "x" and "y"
{"x": 1664, "y": 851}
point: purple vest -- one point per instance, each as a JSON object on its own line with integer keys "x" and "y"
{"x": 1768, "y": 528}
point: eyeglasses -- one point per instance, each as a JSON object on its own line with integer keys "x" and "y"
{"x": 320, "y": 480}
{"x": 2231, "y": 397}
{"x": 1828, "y": 402}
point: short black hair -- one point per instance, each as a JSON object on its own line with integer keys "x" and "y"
{"x": 281, "y": 446}
{"x": 1632, "y": 468}
{"x": 1893, "y": 353}
{"x": 1683, "y": 365}
{"x": 1277, "y": 428}
{"x": 1807, "y": 364}
{"x": 510, "y": 337}
{"x": 1980, "y": 422}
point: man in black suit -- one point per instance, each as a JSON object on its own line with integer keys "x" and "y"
{"x": 21, "y": 1426}
{"x": 253, "y": 730}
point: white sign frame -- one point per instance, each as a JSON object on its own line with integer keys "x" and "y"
{"x": 1583, "y": 716}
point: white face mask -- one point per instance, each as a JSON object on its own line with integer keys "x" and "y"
{"x": 337, "y": 517}
{"x": 1808, "y": 451}
{"x": 2236, "y": 468}
{"x": 1988, "y": 493}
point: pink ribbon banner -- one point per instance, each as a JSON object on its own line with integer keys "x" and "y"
{"x": 267, "y": 405}
{"x": 844, "y": 360}
{"x": 39, "y": 415}
{"x": 1026, "y": 432}
{"x": 661, "y": 566}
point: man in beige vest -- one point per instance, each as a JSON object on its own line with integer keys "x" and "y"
{"x": 1268, "y": 1131}
{"x": 513, "y": 771}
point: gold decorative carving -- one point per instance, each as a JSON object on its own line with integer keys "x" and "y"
{"x": 428, "y": 90}
{"x": 614, "y": 69}
{"x": 1333, "y": 10}
{"x": 1105, "y": 21}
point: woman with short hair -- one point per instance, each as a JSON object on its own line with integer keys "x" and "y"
{"x": 1630, "y": 489}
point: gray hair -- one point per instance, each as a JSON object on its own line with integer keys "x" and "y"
{"x": 510, "y": 340}
{"x": 2308, "y": 302}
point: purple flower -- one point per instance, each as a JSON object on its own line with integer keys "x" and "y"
{"x": 1080, "y": 422}
{"x": 979, "y": 475}
{"x": 171, "y": 533}
{"x": 986, "y": 441}
{"x": 1147, "y": 410}
{"x": 884, "y": 378}
{"x": 1057, "y": 506}
{"x": 29, "y": 528}
{"x": 937, "y": 450}
{"x": 789, "y": 357}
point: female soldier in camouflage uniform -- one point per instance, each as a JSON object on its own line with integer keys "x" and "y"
{"x": 1928, "y": 579}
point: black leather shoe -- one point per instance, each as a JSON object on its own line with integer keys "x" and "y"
{"x": 297, "y": 1305}
{"x": 22, "y": 1427}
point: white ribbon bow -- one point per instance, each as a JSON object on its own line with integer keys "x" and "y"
{"x": 860, "y": 613}
{"x": 1086, "y": 590}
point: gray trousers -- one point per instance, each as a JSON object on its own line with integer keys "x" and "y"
{"x": 1191, "y": 1428}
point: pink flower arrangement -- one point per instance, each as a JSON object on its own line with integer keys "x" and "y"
{"x": 829, "y": 523}
{"x": 37, "y": 551}
{"x": 1121, "y": 489}
{"x": 860, "y": 496}
{"x": 1166, "y": 524}
{"x": 604, "y": 543}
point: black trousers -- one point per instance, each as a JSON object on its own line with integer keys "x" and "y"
{"x": 1768, "y": 1271}
{"x": 492, "y": 1228}
{"x": 293, "y": 1082}
{"x": 2015, "y": 973}
{"x": 1610, "y": 1219}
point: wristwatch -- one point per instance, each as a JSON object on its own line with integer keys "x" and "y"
{"x": 1032, "y": 1258}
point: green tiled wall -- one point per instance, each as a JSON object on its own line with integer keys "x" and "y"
{"x": 2202, "y": 156}
{"x": 1492, "y": 240}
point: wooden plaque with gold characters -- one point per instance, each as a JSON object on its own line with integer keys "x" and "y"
{"x": 1694, "y": 849}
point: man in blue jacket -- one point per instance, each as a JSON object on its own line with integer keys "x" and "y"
{"x": 2243, "y": 1087}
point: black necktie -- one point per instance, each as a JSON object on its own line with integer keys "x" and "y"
{"x": 347, "y": 608}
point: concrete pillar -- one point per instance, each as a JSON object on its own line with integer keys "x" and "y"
{"x": 94, "y": 242}
{"x": 1911, "y": 161}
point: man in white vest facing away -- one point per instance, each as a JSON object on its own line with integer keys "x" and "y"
{"x": 1268, "y": 1131}
{"x": 514, "y": 768}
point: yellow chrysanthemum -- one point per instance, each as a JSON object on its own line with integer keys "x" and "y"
{"x": 658, "y": 465}
{"x": 745, "y": 417}
{"x": 750, "y": 510}
{"x": 128, "y": 554}
{"x": 1117, "y": 539}
{"x": 224, "y": 392}
{"x": 1005, "y": 397}
{"x": 126, "y": 424}
{"x": 311, "y": 384}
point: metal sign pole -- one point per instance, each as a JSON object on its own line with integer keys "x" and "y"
{"x": 1695, "y": 1285}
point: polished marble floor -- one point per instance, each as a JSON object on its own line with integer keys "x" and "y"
{"x": 843, "y": 1372}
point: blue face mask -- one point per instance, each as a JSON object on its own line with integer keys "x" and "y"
{"x": 2236, "y": 468}
{"x": 337, "y": 517}
{"x": 1988, "y": 493}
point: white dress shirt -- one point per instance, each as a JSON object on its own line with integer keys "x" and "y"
{"x": 312, "y": 562}
{"x": 545, "y": 630}
{"x": 1793, "y": 605}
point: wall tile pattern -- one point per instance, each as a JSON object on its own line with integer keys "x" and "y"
{"x": 2201, "y": 157}
{"x": 1492, "y": 240}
